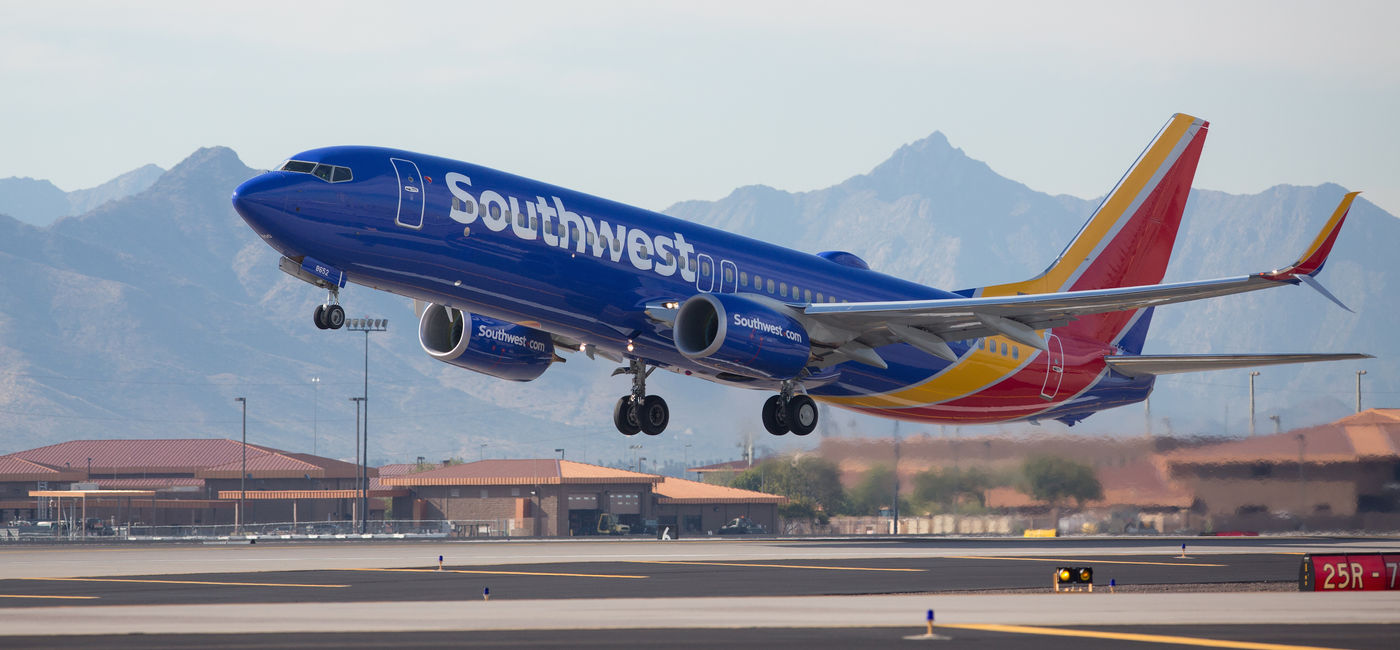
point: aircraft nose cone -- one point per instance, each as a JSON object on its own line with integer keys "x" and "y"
{"x": 258, "y": 200}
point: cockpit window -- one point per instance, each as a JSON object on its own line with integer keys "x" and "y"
{"x": 299, "y": 166}
{"x": 328, "y": 173}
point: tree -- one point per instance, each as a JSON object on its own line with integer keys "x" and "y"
{"x": 812, "y": 485}
{"x": 1054, "y": 479}
{"x": 874, "y": 492}
{"x": 953, "y": 486}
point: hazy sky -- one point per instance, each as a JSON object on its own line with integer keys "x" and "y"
{"x": 656, "y": 104}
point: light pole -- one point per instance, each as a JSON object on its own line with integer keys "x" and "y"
{"x": 1302, "y": 485}
{"x": 640, "y": 459}
{"x": 1278, "y": 423}
{"x": 243, "y": 475}
{"x": 356, "y": 512}
{"x": 560, "y": 452}
{"x": 366, "y": 325}
{"x": 483, "y": 451}
{"x": 686, "y": 452}
{"x": 1252, "y": 375}
{"x": 1358, "y": 389}
{"x": 315, "y": 404}
{"x": 634, "y": 449}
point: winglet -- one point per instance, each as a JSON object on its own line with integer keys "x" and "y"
{"x": 1311, "y": 262}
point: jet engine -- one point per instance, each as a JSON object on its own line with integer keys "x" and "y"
{"x": 741, "y": 335}
{"x": 492, "y": 347}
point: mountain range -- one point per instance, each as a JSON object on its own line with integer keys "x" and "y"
{"x": 147, "y": 312}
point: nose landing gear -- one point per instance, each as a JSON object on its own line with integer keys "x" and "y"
{"x": 637, "y": 411}
{"x": 330, "y": 316}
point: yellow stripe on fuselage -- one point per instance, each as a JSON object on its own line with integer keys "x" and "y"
{"x": 971, "y": 373}
{"x": 983, "y": 368}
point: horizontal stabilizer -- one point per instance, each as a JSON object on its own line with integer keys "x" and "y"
{"x": 1168, "y": 364}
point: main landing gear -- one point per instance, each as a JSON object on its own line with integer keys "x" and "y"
{"x": 787, "y": 411}
{"x": 638, "y": 411}
{"x": 330, "y": 316}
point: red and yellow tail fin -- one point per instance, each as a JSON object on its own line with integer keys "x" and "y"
{"x": 1312, "y": 259}
{"x": 1128, "y": 241}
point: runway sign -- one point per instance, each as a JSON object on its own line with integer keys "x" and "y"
{"x": 1350, "y": 572}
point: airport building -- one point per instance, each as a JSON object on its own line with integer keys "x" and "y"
{"x": 564, "y": 498}
{"x": 193, "y": 485}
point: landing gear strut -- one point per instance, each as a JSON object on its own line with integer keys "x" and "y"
{"x": 330, "y": 316}
{"x": 788, "y": 411}
{"x": 638, "y": 411}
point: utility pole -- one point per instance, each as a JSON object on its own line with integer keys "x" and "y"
{"x": 1252, "y": 375}
{"x": 895, "y": 509}
{"x": 366, "y": 325}
{"x": 315, "y": 406}
{"x": 356, "y": 514}
{"x": 1358, "y": 389}
{"x": 243, "y": 475}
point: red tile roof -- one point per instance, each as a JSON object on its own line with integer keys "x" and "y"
{"x": 1373, "y": 434}
{"x": 680, "y": 491}
{"x": 521, "y": 472}
{"x": 198, "y": 457}
{"x": 14, "y": 468}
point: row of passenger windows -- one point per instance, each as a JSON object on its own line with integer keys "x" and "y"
{"x": 1015, "y": 350}
{"x": 778, "y": 287}
{"x": 532, "y": 222}
{"x": 327, "y": 173}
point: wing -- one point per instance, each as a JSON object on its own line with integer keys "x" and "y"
{"x": 1141, "y": 366}
{"x": 850, "y": 331}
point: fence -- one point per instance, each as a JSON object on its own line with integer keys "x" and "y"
{"x": 315, "y": 530}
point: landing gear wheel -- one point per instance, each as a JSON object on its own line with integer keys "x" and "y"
{"x": 801, "y": 414}
{"x": 320, "y": 317}
{"x": 774, "y": 417}
{"x": 654, "y": 415}
{"x": 334, "y": 317}
{"x": 625, "y": 416}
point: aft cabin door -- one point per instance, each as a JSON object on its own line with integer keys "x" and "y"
{"x": 411, "y": 207}
{"x": 1054, "y": 367}
{"x": 705, "y": 279}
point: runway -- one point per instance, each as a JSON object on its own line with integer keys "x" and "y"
{"x": 870, "y": 588}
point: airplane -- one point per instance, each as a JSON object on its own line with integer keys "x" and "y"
{"x": 506, "y": 272}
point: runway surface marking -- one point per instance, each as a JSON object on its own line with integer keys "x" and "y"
{"x": 188, "y": 582}
{"x": 1128, "y": 636}
{"x": 55, "y": 597}
{"x": 508, "y": 573}
{"x": 1081, "y": 560}
{"x": 778, "y": 566}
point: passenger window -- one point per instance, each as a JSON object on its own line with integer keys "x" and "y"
{"x": 757, "y": 283}
{"x": 322, "y": 172}
{"x": 770, "y": 285}
{"x": 670, "y": 259}
{"x": 728, "y": 274}
{"x": 522, "y": 220}
{"x": 782, "y": 289}
{"x": 1015, "y": 352}
{"x": 591, "y": 239}
{"x": 495, "y": 211}
{"x": 820, "y": 297}
{"x": 341, "y": 175}
{"x": 744, "y": 279}
{"x": 645, "y": 253}
{"x": 807, "y": 295}
{"x": 1003, "y": 349}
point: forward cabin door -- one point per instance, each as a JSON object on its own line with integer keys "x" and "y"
{"x": 411, "y": 204}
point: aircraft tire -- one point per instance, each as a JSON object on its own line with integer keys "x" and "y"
{"x": 802, "y": 414}
{"x": 335, "y": 317}
{"x": 653, "y": 415}
{"x": 625, "y": 416}
{"x": 774, "y": 419}
{"x": 320, "y": 317}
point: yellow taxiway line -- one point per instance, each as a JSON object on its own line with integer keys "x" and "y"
{"x": 54, "y": 597}
{"x": 780, "y": 566}
{"x": 1128, "y": 636}
{"x": 188, "y": 582}
{"x": 508, "y": 573}
{"x": 1080, "y": 560}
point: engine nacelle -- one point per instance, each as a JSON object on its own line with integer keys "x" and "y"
{"x": 485, "y": 345}
{"x": 736, "y": 334}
